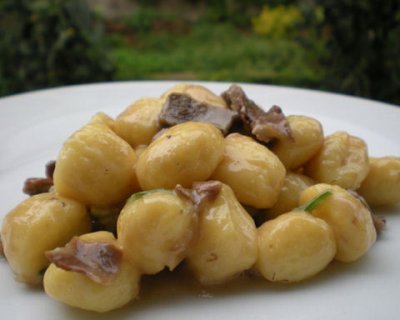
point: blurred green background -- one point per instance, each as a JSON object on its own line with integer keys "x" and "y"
{"x": 347, "y": 46}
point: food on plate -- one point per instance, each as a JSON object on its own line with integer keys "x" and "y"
{"x": 138, "y": 123}
{"x": 91, "y": 273}
{"x": 381, "y": 187}
{"x": 155, "y": 229}
{"x": 266, "y": 126}
{"x": 253, "y": 172}
{"x": 227, "y": 241}
{"x": 305, "y": 141}
{"x": 194, "y": 181}
{"x": 182, "y": 154}
{"x": 95, "y": 166}
{"x": 34, "y": 186}
{"x": 288, "y": 199}
{"x": 294, "y": 246}
{"x": 349, "y": 218}
{"x": 342, "y": 160}
{"x": 197, "y": 92}
{"x": 40, "y": 223}
{"x": 179, "y": 108}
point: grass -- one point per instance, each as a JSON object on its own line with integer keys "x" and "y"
{"x": 215, "y": 52}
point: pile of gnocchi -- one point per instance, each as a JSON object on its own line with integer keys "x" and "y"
{"x": 130, "y": 196}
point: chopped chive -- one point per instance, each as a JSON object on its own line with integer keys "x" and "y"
{"x": 313, "y": 203}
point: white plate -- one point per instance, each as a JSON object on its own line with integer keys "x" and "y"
{"x": 33, "y": 127}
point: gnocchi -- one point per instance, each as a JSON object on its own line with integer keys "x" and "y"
{"x": 155, "y": 230}
{"x": 349, "y": 218}
{"x": 342, "y": 160}
{"x": 288, "y": 199}
{"x": 78, "y": 290}
{"x": 40, "y": 223}
{"x": 227, "y": 241}
{"x": 96, "y": 167}
{"x": 253, "y": 172}
{"x": 294, "y": 247}
{"x": 306, "y": 140}
{"x": 182, "y": 154}
{"x": 383, "y": 176}
{"x": 139, "y": 122}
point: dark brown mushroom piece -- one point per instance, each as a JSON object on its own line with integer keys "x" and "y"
{"x": 200, "y": 193}
{"x": 97, "y": 260}
{"x": 33, "y": 186}
{"x": 50, "y": 167}
{"x": 264, "y": 126}
{"x": 179, "y": 108}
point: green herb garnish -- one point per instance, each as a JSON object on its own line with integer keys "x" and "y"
{"x": 313, "y": 203}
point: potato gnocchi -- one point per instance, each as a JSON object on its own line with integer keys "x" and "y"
{"x": 223, "y": 189}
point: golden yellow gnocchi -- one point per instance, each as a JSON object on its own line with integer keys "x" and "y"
{"x": 253, "y": 172}
{"x": 306, "y": 139}
{"x": 182, "y": 154}
{"x": 288, "y": 198}
{"x": 382, "y": 185}
{"x": 96, "y": 167}
{"x": 342, "y": 160}
{"x": 92, "y": 274}
{"x": 155, "y": 230}
{"x": 294, "y": 246}
{"x": 40, "y": 223}
{"x": 139, "y": 122}
{"x": 227, "y": 241}
{"x": 349, "y": 218}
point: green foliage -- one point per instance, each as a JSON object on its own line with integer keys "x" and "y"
{"x": 146, "y": 18}
{"x": 217, "y": 52}
{"x": 349, "y": 46}
{"x": 235, "y": 12}
{"x": 278, "y": 22}
{"x": 210, "y": 49}
{"x": 49, "y": 42}
{"x": 364, "y": 47}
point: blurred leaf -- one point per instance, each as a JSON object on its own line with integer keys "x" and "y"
{"x": 49, "y": 42}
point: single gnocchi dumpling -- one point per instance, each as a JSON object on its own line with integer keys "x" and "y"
{"x": 197, "y": 92}
{"x": 381, "y": 187}
{"x": 139, "y": 122}
{"x": 294, "y": 246}
{"x": 227, "y": 241}
{"x": 306, "y": 139}
{"x": 91, "y": 273}
{"x": 288, "y": 198}
{"x": 182, "y": 154}
{"x": 101, "y": 118}
{"x": 254, "y": 173}
{"x": 342, "y": 160}
{"x": 349, "y": 218}
{"x": 40, "y": 223}
{"x": 96, "y": 167}
{"x": 155, "y": 229}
